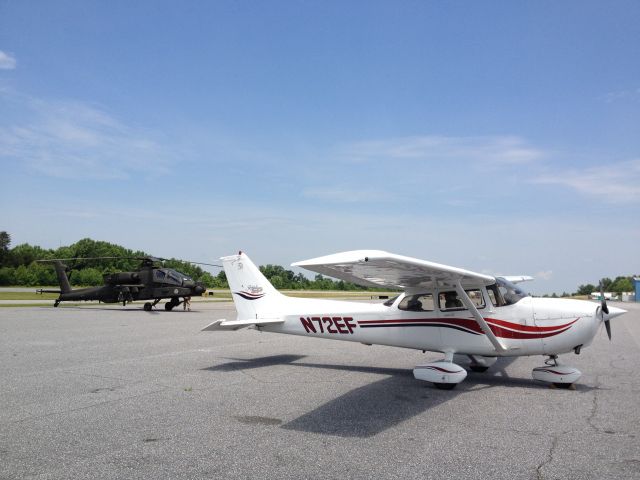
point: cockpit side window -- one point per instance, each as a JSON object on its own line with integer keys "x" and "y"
{"x": 449, "y": 300}
{"x": 422, "y": 302}
{"x": 495, "y": 296}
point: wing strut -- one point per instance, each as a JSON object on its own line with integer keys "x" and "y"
{"x": 479, "y": 318}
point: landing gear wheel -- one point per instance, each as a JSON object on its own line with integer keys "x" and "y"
{"x": 563, "y": 386}
{"x": 168, "y": 306}
{"x": 445, "y": 386}
{"x": 478, "y": 368}
{"x": 148, "y": 307}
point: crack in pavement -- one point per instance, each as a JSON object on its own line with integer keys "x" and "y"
{"x": 552, "y": 450}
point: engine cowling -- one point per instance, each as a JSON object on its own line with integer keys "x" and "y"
{"x": 122, "y": 277}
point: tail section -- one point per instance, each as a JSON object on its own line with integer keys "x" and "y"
{"x": 253, "y": 295}
{"x": 61, "y": 273}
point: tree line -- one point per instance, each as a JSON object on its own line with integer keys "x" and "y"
{"x": 617, "y": 286}
{"x": 19, "y": 267}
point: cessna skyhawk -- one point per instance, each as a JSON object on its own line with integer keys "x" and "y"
{"x": 442, "y": 309}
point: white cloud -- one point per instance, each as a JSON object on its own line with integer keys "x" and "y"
{"x": 487, "y": 149}
{"x": 544, "y": 275}
{"x": 348, "y": 194}
{"x": 622, "y": 95}
{"x": 70, "y": 139}
{"x": 614, "y": 183}
{"x": 7, "y": 62}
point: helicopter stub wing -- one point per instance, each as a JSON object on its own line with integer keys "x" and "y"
{"x": 376, "y": 268}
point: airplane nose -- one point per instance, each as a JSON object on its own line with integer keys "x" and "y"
{"x": 614, "y": 312}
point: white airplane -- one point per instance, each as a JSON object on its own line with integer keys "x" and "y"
{"x": 442, "y": 309}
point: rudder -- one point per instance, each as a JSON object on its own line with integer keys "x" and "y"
{"x": 252, "y": 293}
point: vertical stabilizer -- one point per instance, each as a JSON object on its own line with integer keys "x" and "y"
{"x": 252, "y": 293}
{"x": 61, "y": 272}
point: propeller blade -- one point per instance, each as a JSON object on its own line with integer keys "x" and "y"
{"x": 604, "y": 310}
{"x": 603, "y": 301}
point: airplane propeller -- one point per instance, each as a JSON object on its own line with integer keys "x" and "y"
{"x": 604, "y": 310}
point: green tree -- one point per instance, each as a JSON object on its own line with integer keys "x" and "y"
{"x": 87, "y": 277}
{"x": 586, "y": 289}
{"x": 606, "y": 284}
{"x": 622, "y": 284}
{"x": 5, "y": 242}
{"x": 7, "y": 276}
{"x": 25, "y": 277}
{"x": 25, "y": 254}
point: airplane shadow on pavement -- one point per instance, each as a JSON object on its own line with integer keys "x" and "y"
{"x": 378, "y": 406}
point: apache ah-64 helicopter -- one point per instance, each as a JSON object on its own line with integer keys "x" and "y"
{"x": 149, "y": 282}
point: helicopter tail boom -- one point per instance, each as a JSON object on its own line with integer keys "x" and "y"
{"x": 63, "y": 280}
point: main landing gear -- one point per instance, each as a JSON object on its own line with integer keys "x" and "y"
{"x": 444, "y": 374}
{"x": 170, "y": 305}
{"x": 148, "y": 306}
{"x": 479, "y": 364}
{"x": 560, "y": 376}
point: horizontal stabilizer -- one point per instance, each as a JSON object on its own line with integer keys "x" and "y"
{"x": 223, "y": 324}
{"x": 47, "y": 291}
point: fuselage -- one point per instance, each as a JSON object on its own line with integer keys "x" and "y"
{"x": 530, "y": 326}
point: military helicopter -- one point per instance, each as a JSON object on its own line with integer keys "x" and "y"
{"x": 149, "y": 282}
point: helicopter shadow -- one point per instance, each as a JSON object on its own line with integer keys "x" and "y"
{"x": 375, "y": 407}
{"x": 106, "y": 309}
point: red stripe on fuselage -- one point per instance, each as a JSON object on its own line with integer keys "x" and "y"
{"x": 500, "y": 328}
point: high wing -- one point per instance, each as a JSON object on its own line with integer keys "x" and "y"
{"x": 517, "y": 278}
{"x": 376, "y": 268}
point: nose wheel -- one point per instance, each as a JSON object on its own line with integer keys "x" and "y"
{"x": 557, "y": 374}
{"x": 149, "y": 306}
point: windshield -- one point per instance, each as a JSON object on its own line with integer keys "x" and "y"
{"x": 170, "y": 276}
{"x": 510, "y": 292}
{"x": 177, "y": 277}
{"x": 391, "y": 301}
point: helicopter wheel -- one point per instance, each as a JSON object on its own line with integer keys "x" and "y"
{"x": 148, "y": 307}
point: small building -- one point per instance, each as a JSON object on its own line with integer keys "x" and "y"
{"x": 636, "y": 287}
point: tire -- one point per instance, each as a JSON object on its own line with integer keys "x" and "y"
{"x": 148, "y": 307}
{"x": 445, "y": 386}
{"x": 563, "y": 386}
{"x": 478, "y": 368}
{"x": 168, "y": 306}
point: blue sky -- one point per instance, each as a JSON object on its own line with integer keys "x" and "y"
{"x": 501, "y": 137}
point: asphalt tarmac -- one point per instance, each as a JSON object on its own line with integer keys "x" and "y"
{"x": 111, "y": 392}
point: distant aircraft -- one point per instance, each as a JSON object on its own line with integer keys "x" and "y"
{"x": 149, "y": 282}
{"x": 442, "y": 309}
